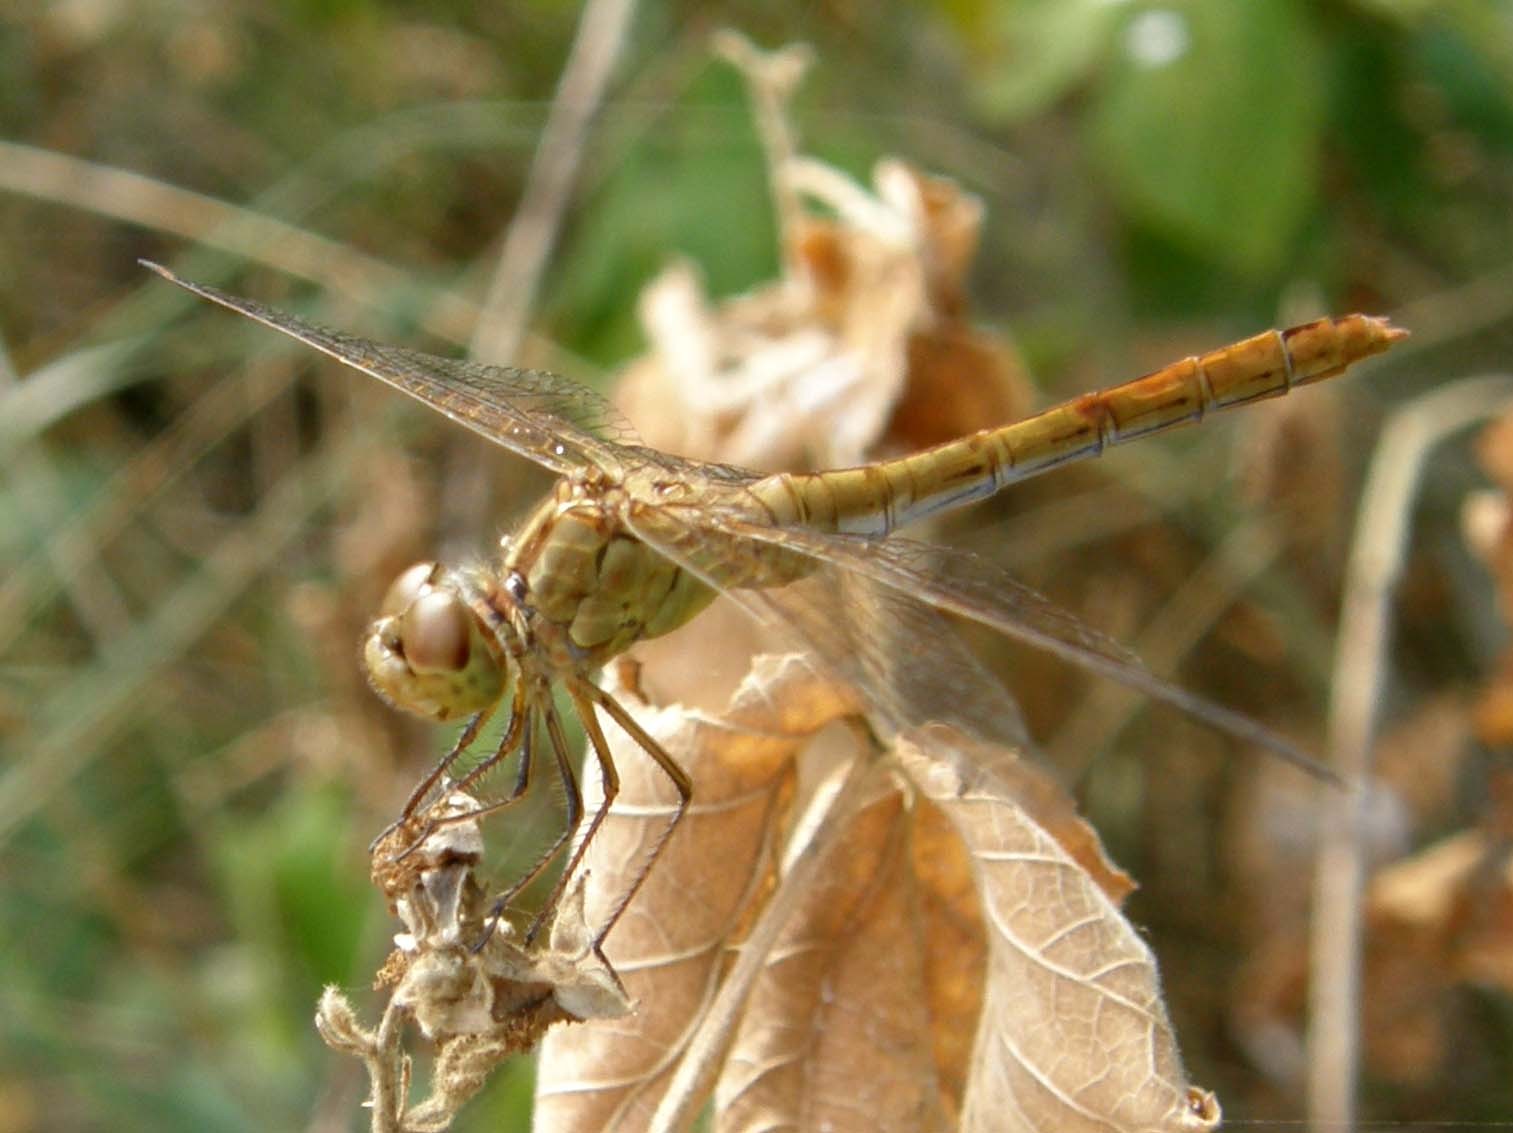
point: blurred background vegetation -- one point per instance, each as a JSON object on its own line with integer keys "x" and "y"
{"x": 196, "y": 521}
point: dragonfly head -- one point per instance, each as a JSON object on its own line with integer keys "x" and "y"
{"x": 428, "y": 652}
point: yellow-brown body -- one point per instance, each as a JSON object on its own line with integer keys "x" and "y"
{"x": 632, "y": 544}
{"x": 578, "y": 585}
{"x": 589, "y": 573}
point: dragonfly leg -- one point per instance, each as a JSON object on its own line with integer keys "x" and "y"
{"x": 574, "y": 816}
{"x": 569, "y": 829}
{"x": 610, "y": 777}
{"x": 422, "y": 789}
{"x": 518, "y": 734}
{"x": 515, "y": 736}
{"x": 586, "y": 696}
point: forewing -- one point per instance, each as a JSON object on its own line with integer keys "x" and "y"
{"x": 539, "y": 415}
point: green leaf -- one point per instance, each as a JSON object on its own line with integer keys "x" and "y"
{"x": 1405, "y": 12}
{"x": 693, "y": 185}
{"x": 295, "y": 882}
{"x": 1207, "y": 127}
{"x": 1027, "y": 54}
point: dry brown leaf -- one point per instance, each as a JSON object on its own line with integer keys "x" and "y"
{"x": 1412, "y": 951}
{"x": 861, "y": 348}
{"x": 1494, "y": 451}
{"x": 960, "y": 378}
{"x": 1043, "y": 799}
{"x": 1420, "y": 759}
{"x": 1420, "y": 892}
{"x": 671, "y": 947}
{"x": 837, "y": 1032}
{"x": 1439, "y": 918}
{"x": 1494, "y": 711}
{"x": 1489, "y": 532}
{"x": 952, "y": 965}
{"x": 1457, "y": 897}
{"x": 1073, "y": 1033}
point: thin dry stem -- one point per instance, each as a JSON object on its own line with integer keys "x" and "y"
{"x": 1376, "y": 560}
{"x": 122, "y": 195}
{"x": 771, "y": 79}
{"x": 382, "y": 1055}
{"x": 528, "y": 242}
{"x": 533, "y": 231}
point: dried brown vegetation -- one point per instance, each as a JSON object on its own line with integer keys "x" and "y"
{"x": 925, "y": 939}
{"x": 198, "y": 525}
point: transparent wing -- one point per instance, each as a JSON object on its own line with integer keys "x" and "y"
{"x": 906, "y": 660}
{"x": 966, "y": 585}
{"x": 553, "y": 421}
{"x": 546, "y": 418}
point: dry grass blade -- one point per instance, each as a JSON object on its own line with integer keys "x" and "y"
{"x": 75, "y": 537}
{"x": 123, "y": 195}
{"x": 80, "y": 716}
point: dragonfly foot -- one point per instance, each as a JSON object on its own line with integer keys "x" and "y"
{"x": 384, "y": 834}
{"x": 490, "y": 926}
{"x": 537, "y": 922}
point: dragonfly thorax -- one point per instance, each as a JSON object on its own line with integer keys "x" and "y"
{"x": 429, "y": 650}
{"x": 592, "y": 586}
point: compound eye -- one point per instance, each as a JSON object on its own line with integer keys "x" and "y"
{"x": 406, "y": 588}
{"x": 434, "y": 632}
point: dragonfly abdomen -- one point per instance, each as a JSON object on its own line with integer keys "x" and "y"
{"x": 878, "y": 498}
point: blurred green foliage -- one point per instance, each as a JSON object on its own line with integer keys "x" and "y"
{"x": 192, "y": 766}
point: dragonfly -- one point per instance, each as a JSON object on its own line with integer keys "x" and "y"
{"x": 632, "y": 543}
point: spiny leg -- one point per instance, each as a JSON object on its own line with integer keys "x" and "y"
{"x": 422, "y": 789}
{"x": 502, "y": 751}
{"x": 587, "y": 690}
{"x": 574, "y": 800}
{"x": 516, "y": 735}
{"x": 543, "y": 711}
{"x": 521, "y": 783}
{"x": 610, "y": 777}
